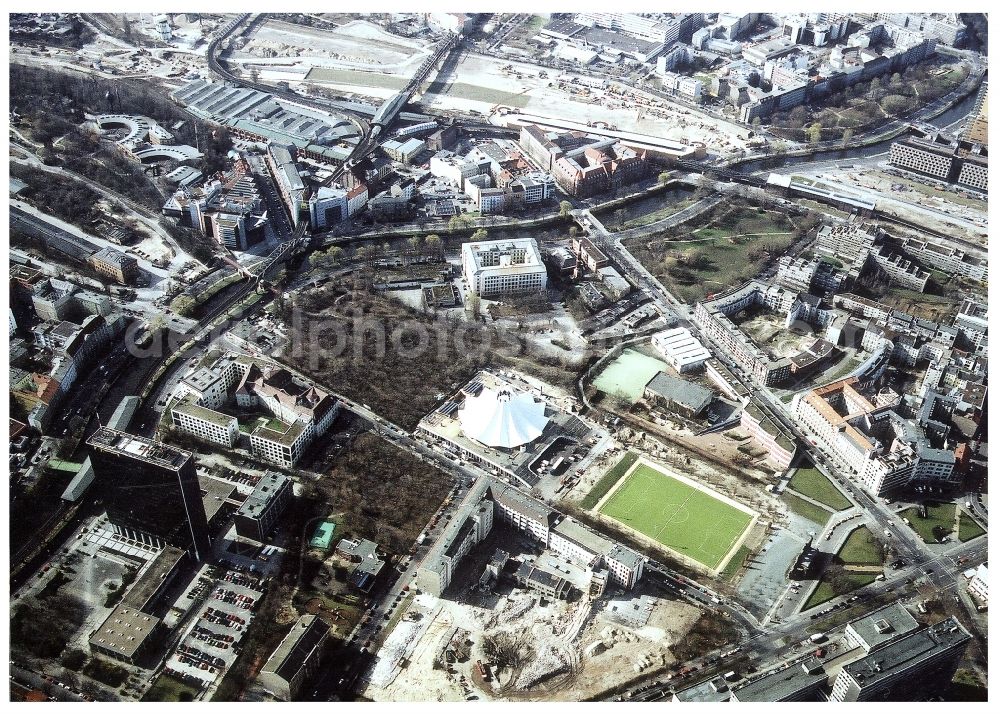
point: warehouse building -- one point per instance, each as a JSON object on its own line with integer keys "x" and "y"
{"x": 681, "y": 349}
{"x": 678, "y": 395}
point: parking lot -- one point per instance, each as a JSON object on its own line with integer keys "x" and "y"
{"x": 211, "y": 643}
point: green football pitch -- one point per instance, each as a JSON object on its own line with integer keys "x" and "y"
{"x": 683, "y": 518}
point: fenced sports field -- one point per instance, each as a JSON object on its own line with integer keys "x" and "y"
{"x": 679, "y": 514}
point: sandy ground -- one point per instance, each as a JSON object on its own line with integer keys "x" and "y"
{"x": 478, "y": 84}
{"x": 668, "y": 624}
{"x": 357, "y": 44}
{"x": 939, "y": 211}
{"x": 768, "y": 331}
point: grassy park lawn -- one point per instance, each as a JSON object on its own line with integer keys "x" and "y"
{"x": 826, "y": 591}
{"x": 939, "y": 515}
{"x": 968, "y": 528}
{"x": 659, "y": 215}
{"x": 810, "y": 482}
{"x": 810, "y": 511}
{"x": 721, "y": 263}
{"x": 170, "y": 689}
{"x": 861, "y": 548}
{"x": 608, "y": 480}
{"x": 687, "y": 520}
{"x": 628, "y": 374}
{"x": 734, "y": 564}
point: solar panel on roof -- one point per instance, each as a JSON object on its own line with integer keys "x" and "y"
{"x": 448, "y": 408}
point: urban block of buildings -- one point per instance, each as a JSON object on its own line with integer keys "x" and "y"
{"x": 299, "y": 412}
{"x": 919, "y": 663}
{"x": 891, "y": 658}
{"x": 811, "y": 58}
{"x": 490, "y": 502}
{"x": 228, "y": 208}
{"x": 78, "y": 328}
{"x": 714, "y": 317}
{"x": 584, "y": 165}
{"x": 495, "y": 175}
{"x": 944, "y": 158}
{"x": 884, "y": 450}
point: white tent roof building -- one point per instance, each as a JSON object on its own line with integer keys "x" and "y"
{"x": 502, "y": 418}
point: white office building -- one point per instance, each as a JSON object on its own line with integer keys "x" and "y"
{"x": 206, "y": 424}
{"x": 503, "y": 267}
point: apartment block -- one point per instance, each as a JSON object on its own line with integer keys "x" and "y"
{"x": 712, "y": 316}
{"x": 919, "y": 664}
{"x": 848, "y": 243}
{"x": 900, "y": 270}
{"x": 205, "y": 424}
{"x": 281, "y": 164}
{"x": 884, "y": 450}
{"x": 489, "y": 502}
{"x": 947, "y": 258}
{"x": 944, "y": 158}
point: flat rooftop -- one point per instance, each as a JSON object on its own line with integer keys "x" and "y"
{"x": 882, "y": 626}
{"x": 256, "y": 503}
{"x": 152, "y": 578}
{"x": 298, "y": 645}
{"x": 584, "y": 537}
{"x": 908, "y": 652}
{"x": 285, "y": 438}
{"x": 781, "y": 685}
{"x": 155, "y": 452}
{"x": 205, "y": 414}
{"x": 125, "y": 631}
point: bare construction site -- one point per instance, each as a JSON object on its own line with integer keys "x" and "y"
{"x": 520, "y": 645}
